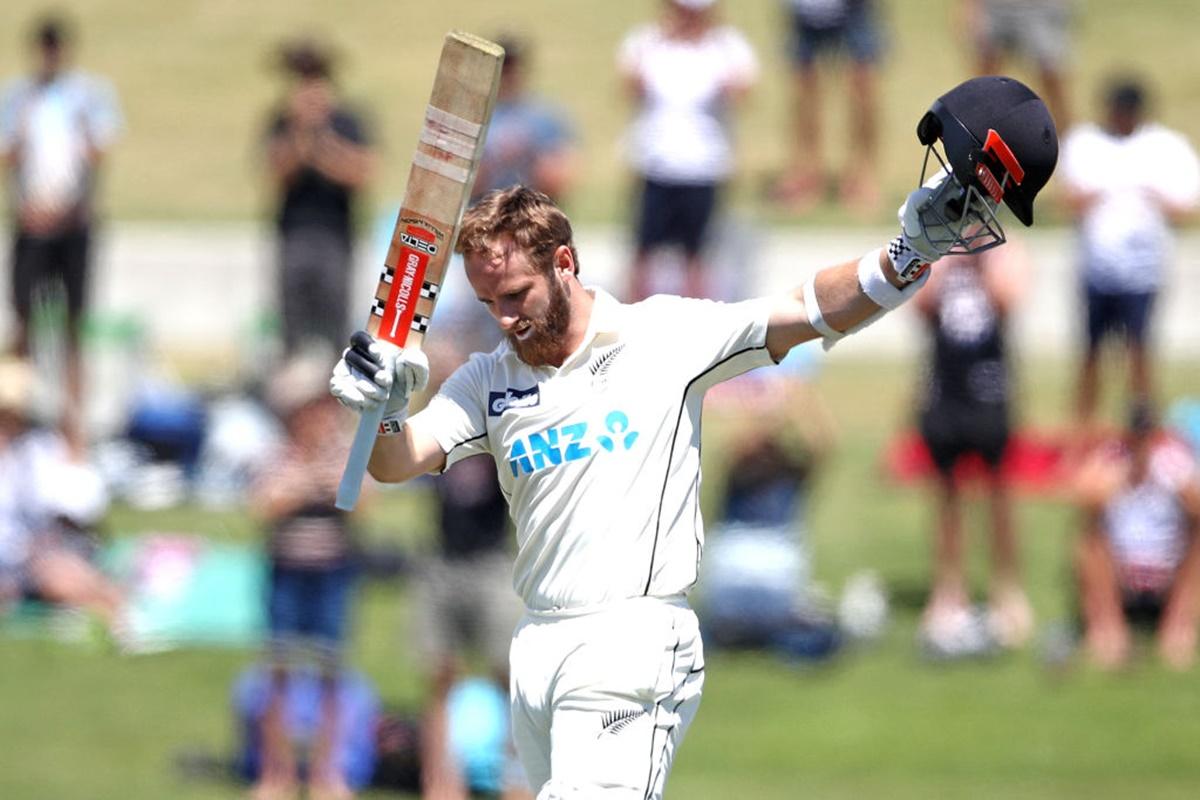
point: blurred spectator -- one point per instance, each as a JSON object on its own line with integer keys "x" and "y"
{"x": 56, "y": 126}
{"x": 319, "y": 157}
{"x": 528, "y": 141}
{"x": 1126, "y": 182}
{"x": 965, "y": 411}
{"x": 685, "y": 72}
{"x": 355, "y": 746}
{"x": 833, "y": 28}
{"x": 778, "y": 430}
{"x": 49, "y": 505}
{"x": 466, "y": 608}
{"x": 311, "y": 554}
{"x": 757, "y": 589}
{"x": 1138, "y": 563}
{"x": 1038, "y": 30}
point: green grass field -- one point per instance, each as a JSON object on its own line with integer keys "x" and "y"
{"x": 81, "y": 723}
{"x": 195, "y": 79}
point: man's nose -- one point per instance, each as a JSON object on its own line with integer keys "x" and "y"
{"x": 506, "y": 318}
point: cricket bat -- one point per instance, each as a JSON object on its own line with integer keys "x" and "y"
{"x": 439, "y": 185}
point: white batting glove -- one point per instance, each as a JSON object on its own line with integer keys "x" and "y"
{"x": 371, "y": 372}
{"x": 925, "y": 208}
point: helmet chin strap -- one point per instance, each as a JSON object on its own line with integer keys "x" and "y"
{"x": 958, "y": 219}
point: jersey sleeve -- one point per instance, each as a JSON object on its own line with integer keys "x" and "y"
{"x": 552, "y": 132}
{"x": 1180, "y": 181}
{"x": 631, "y": 52}
{"x": 456, "y": 417}
{"x": 742, "y": 62}
{"x": 10, "y": 115}
{"x": 349, "y": 125}
{"x": 1077, "y": 168}
{"x": 102, "y": 113}
{"x": 709, "y": 340}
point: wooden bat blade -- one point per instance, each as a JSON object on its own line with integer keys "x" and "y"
{"x": 439, "y": 186}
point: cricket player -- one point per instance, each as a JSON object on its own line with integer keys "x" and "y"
{"x": 591, "y": 410}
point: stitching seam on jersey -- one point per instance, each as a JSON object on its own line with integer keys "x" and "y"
{"x": 671, "y": 455}
{"x": 652, "y": 778}
{"x": 458, "y": 445}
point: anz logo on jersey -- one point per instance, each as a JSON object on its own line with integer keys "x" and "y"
{"x": 571, "y": 442}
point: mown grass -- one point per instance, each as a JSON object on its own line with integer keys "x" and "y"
{"x": 81, "y": 722}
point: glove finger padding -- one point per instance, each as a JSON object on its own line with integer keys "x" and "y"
{"x": 941, "y": 215}
{"x": 411, "y": 370}
{"x": 372, "y": 371}
{"x": 922, "y": 204}
{"x": 348, "y": 388}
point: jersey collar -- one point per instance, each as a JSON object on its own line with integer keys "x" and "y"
{"x": 605, "y": 322}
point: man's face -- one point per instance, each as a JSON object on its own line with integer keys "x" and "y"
{"x": 50, "y": 60}
{"x": 532, "y": 308}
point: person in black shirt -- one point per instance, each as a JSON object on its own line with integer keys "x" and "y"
{"x": 964, "y": 411}
{"x": 319, "y": 157}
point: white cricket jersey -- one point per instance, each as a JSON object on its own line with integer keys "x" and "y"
{"x": 600, "y": 458}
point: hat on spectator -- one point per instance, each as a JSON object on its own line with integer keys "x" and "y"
{"x": 302, "y": 380}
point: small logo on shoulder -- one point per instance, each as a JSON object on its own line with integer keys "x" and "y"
{"x": 499, "y": 402}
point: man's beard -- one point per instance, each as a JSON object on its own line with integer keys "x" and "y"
{"x": 543, "y": 345}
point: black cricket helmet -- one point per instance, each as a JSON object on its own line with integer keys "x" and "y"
{"x": 999, "y": 142}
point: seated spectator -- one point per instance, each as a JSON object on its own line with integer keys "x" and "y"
{"x": 312, "y": 573}
{"x": 1137, "y": 563}
{"x": 49, "y": 505}
{"x": 964, "y": 412}
{"x": 757, "y": 590}
{"x": 354, "y": 741}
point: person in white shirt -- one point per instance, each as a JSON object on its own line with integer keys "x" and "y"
{"x": 49, "y": 505}
{"x": 1126, "y": 183}
{"x": 591, "y": 410}
{"x": 56, "y": 126}
{"x": 685, "y": 72}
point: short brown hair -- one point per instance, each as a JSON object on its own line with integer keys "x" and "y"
{"x": 531, "y": 218}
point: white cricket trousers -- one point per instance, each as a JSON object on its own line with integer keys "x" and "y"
{"x": 601, "y": 699}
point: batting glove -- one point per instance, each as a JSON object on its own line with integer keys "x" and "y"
{"x": 371, "y": 372}
{"x": 926, "y": 209}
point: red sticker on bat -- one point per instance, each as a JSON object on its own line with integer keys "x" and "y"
{"x": 417, "y": 246}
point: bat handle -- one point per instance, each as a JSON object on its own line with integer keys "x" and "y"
{"x": 360, "y": 454}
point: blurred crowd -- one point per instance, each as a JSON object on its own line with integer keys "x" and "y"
{"x": 1126, "y": 181}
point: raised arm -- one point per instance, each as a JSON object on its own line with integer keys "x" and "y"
{"x": 847, "y": 297}
{"x": 837, "y": 293}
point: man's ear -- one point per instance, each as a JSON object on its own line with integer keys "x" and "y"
{"x": 564, "y": 261}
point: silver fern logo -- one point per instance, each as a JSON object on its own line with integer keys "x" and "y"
{"x": 613, "y": 722}
{"x": 600, "y": 366}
